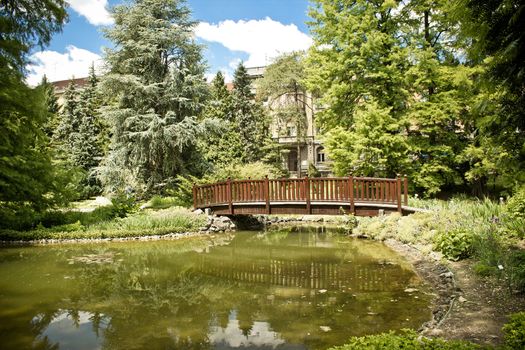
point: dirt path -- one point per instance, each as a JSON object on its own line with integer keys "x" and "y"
{"x": 467, "y": 306}
{"x": 480, "y": 309}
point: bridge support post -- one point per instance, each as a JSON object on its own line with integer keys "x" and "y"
{"x": 307, "y": 194}
{"x": 398, "y": 192}
{"x": 351, "y": 194}
{"x": 267, "y": 194}
{"x": 229, "y": 192}
{"x": 194, "y": 189}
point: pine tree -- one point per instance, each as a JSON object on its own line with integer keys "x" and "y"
{"x": 85, "y": 144}
{"x": 156, "y": 78}
{"x": 249, "y": 117}
{"x": 222, "y": 146}
{"x": 52, "y": 107}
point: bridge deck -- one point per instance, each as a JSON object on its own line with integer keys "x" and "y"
{"x": 365, "y": 196}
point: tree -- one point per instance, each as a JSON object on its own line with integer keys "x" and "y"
{"x": 156, "y": 78}
{"x": 248, "y": 115}
{"x": 51, "y": 103}
{"x": 283, "y": 86}
{"x": 403, "y": 59}
{"x": 27, "y": 179}
{"x": 224, "y": 145}
{"x": 496, "y": 31}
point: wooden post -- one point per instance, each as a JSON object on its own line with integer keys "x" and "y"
{"x": 398, "y": 191}
{"x": 229, "y": 193}
{"x": 307, "y": 188}
{"x": 267, "y": 194}
{"x": 405, "y": 188}
{"x": 351, "y": 194}
{"x": 194, "y": 196}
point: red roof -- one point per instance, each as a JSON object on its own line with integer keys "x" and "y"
{"x": 61, "y": 85}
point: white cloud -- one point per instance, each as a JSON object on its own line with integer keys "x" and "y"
{"x": 95, "y": 11}
{"x": 75, "y": 62}
{"x": 234, "y": 63}
{"x": 226, "y": 72}
{"x": 262, "y": 40}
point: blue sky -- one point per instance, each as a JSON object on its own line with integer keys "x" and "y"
{"x": 253, "y": 31}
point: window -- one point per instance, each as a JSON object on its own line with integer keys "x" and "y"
{"x": 320, "y": 155}
{"x": 291, "y": 131}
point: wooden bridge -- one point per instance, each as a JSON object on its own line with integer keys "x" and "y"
{"x": 363, "y": 196}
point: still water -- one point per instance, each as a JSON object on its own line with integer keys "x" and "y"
{"x": 295, "y": 288}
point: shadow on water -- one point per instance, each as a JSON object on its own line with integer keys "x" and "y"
{"x": 292, "y": 288}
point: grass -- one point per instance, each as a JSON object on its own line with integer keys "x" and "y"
{"x": 158, "y": 202}
{"x": 461, "y": 228}
{"x": 101, "y": 224}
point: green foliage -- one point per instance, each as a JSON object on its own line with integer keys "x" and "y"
{"x": 182, "y": 193}
{"x": 158, "y": 202}
{"x": 516, "y": 204}
{"x": 155, "y": 98}
{"x": 514, "y": 331}
{"x": 398, "y": 96}
{"x": 406, "y": 340}
{"x": 255, "y": 170}
{"x": 124, "y": 204}
{"x": 26, "y": 24}
{"x": 250, "y": 121}
{"x": 80, "y": 134}
{"x": 94, "y": 225}
{"x": 454, "y": 245}
{"x": 372, "y": 147}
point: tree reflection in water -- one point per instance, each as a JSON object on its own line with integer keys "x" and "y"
{"x": 288, "y": 289}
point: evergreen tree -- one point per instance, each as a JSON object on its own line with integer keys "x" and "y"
{"x": 222, "y": 146}
{"x": 85, "y": 144}
{"x": 156, "y": 78}
{"x": 249, "y": 117}
{"x": 27, "y": 178}
{"x": 52, "y": 107}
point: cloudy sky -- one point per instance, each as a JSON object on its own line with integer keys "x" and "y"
{"x": 252, "y": 31}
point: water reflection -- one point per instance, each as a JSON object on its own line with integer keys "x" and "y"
{"x": 278, "y": 290}
{"x": 72, "y": 330}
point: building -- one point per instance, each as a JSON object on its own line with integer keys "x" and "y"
{"x": 61, "y": 86}
{"x": 300, "y": 142}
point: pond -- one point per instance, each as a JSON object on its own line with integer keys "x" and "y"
{"x": 293, "y": 288}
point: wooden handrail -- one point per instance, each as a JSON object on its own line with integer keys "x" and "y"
{"x": 344, "y": 190}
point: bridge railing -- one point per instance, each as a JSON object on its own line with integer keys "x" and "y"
{"x": 343, "y": 190}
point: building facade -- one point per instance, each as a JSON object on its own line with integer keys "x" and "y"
{"x": 301, "y": 148}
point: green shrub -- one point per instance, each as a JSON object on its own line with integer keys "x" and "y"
{"x": 514, "y": 331}
{"x": 455, "y": 244}
{"x": 182, "y": 194}
{"x": 123, "y": 204}
{"x": 516, "y": 204}
{"x": 407, "y": 340}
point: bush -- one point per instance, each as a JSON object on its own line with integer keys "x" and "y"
{"x": 455, "y": 244}
{"x": 516, "y": 204}
{"x": 256, "y": 170}
{"x": 514, "y": 331}
{"x": 123, "y": 204}
{"x": 407, "y": 340}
